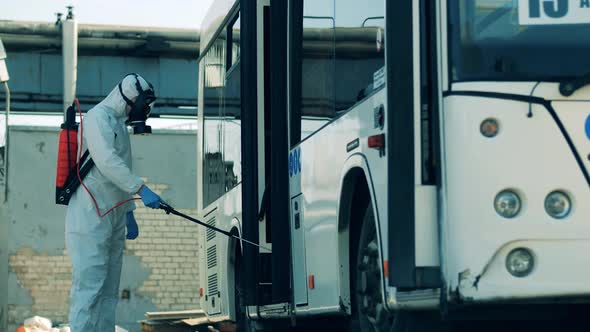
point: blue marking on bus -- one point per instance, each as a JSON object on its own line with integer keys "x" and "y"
{"x": 588, "y": 127}
{"x": 294, "y": 162}
{"x": 549, "y": 9}
{"x": 298, "y": 160}
{"x": 290, "y": 164}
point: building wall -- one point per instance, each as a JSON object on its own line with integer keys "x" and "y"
{"x": 159, "y": 268}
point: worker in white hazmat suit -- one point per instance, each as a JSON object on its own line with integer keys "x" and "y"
{"x": 95, "y": 244}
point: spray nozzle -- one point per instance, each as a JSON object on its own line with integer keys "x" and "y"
{"x": 166, "y": 207}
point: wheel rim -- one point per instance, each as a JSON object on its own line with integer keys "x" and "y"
{"x": 372, "y": 312}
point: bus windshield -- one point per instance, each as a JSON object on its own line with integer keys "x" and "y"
{"x": 519, "y": 40}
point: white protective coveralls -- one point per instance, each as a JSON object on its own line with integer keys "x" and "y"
{"x": 94, "y": 244}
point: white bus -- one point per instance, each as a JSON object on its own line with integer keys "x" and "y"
{"x": 392, "y": 157}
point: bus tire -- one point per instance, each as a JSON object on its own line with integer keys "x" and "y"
{"x": 368, "y": 311}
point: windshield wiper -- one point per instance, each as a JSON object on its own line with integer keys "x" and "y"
{"x": 568, "y": 87}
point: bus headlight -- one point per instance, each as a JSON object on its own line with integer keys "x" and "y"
{"x": 507, "y": 204}
{"x": 520, "y": 262}
{"x": 558, "y": 205}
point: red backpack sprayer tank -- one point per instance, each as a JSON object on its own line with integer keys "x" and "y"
{"x": 66, "y": 180}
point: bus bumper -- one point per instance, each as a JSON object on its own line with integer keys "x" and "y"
{"x": 561, "y": 270}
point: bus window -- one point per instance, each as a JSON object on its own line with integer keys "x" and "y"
{"x": 232, "y": 132}
{"x": 359, "y": 49}
{"x": 213, "y": 161}
{"x": 490, "y": 43}
{"x": 315, "y": 104}
{"x": 234, "y": 30}
{"x": 222, "y": 167}
{"x": 338, "y": 49}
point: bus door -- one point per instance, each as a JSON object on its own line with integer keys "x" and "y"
{"x": 276, "y": 143}
{"x": 269, "y": 134}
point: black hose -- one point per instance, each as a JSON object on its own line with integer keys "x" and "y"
{"x": 171, "y": 210}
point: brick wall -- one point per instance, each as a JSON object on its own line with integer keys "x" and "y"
{"x": 167, "y": 247}
{"x": 47, "y": 279}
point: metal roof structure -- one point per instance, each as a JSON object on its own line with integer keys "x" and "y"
{"x": 102, "y": 39}
{"x": 165, "y": 56}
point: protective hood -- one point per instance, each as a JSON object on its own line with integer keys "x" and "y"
{"x": 115, "y": 102}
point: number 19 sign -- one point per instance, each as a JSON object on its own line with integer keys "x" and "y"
{"x": 532, "y": 12}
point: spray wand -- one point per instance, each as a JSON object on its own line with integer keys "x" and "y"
{"x": 171, "y": 210}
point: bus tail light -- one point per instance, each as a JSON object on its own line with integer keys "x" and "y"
{"x": 377, "y": 141}
{"x": 311, "y": 281}
{"x": 201, "y": 292}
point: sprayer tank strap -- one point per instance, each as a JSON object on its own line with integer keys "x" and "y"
{"x": 127, "y": 100}
{"x": 84, "y": 156}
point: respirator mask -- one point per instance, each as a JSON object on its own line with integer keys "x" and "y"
{"x": 141, "y": 108}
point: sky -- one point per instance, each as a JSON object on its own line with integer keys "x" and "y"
{"x": 186, "y": 14}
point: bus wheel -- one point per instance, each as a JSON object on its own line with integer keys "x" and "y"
{"x": 370, "y": 314}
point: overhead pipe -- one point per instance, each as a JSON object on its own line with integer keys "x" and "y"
{"x": 70, "y": 58}
{"x": 103, "y": 39}
{"x": 99, "y": 31}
